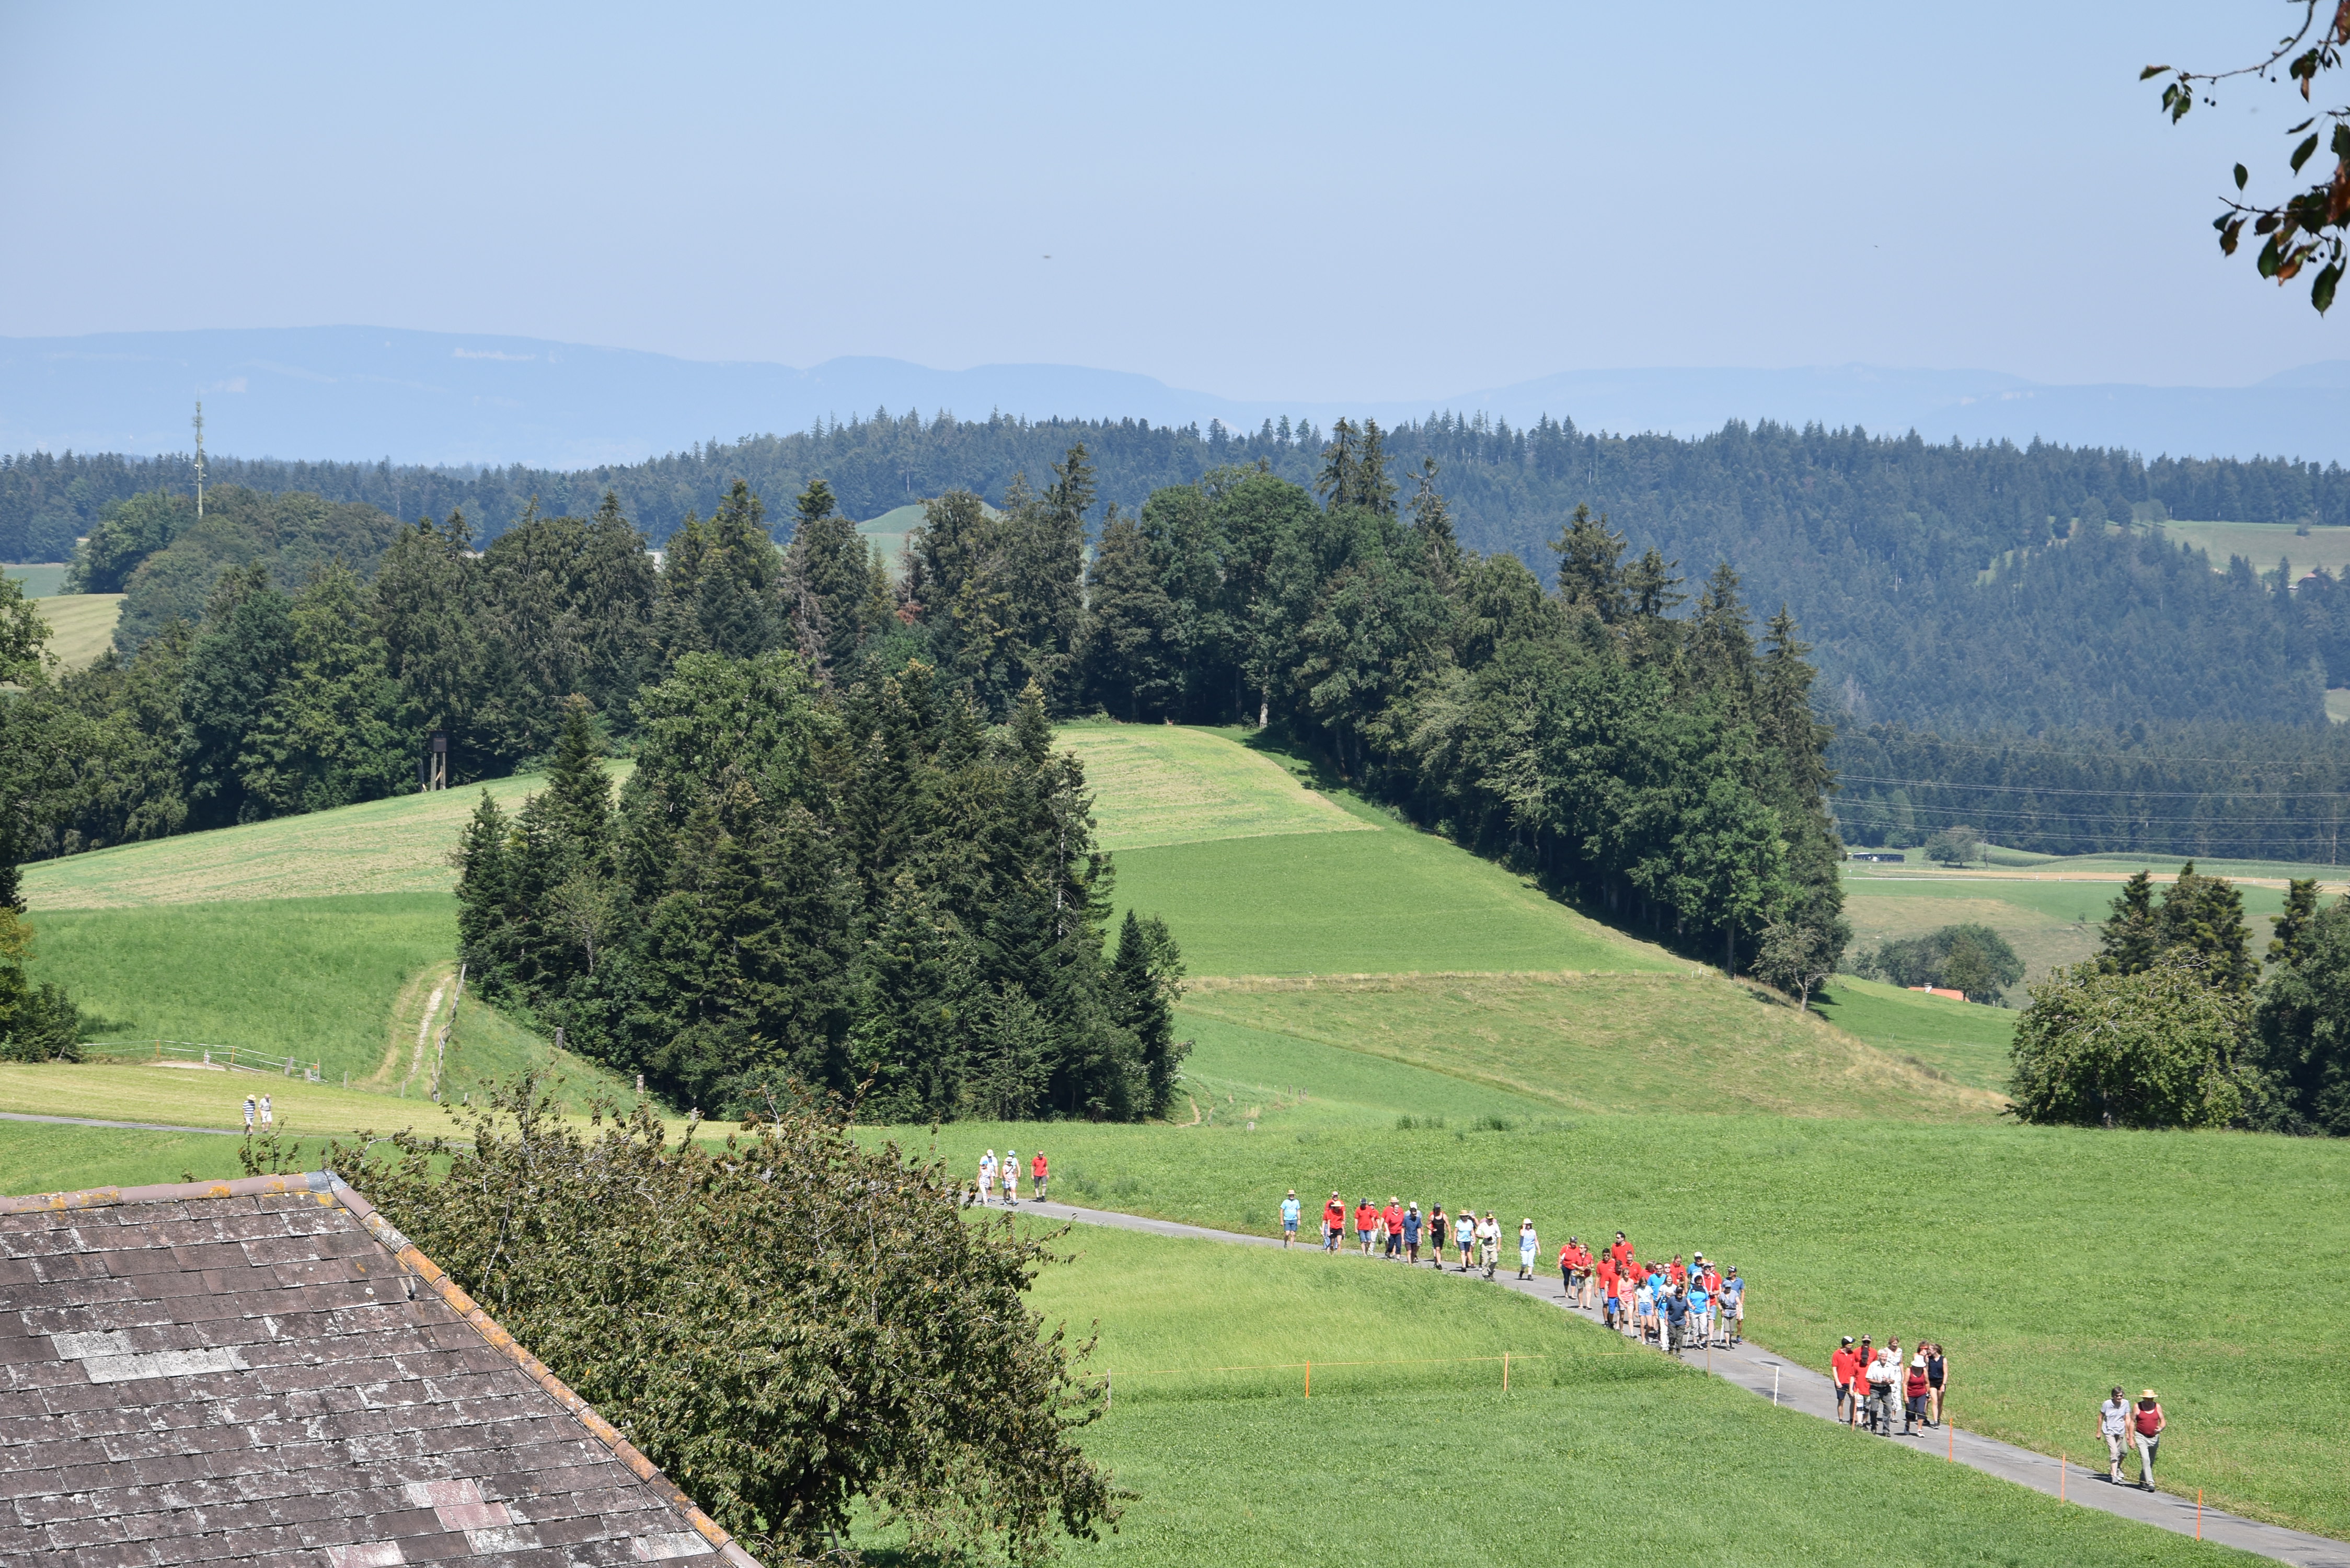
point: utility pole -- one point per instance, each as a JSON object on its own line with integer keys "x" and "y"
{"x": 200, "y": 460}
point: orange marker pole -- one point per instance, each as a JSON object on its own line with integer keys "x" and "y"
{"x": 2060, "y": 1477}
{"x": 2199, "y": 1514}
{"x": 1950, "y": 1433}
{"x": 1505, "y": 1371}
{"x": 1309, "y": 1380}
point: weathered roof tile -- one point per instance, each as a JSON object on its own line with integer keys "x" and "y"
{"x": 245, "y": 1373}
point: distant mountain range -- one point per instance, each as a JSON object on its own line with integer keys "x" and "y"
{"x": 364, "y": 392}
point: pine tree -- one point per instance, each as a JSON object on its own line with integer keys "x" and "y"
{"x": 578, "y": 791}
{"x": 1374, "y": 490}
{"x": 1589, "y": 577}
{"x": 2130, "y": 940}
{"x": 2293, "y": 926}
{"x": 1721, "y": 642}
{"x": 1146, "y": 978}
{"x": 1129, "y": 658}
{"x": 1432, "y": 525}
{"x": 1337, "y": 482}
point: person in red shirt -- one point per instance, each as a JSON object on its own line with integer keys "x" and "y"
{"x": 1038, "y": 1168}
{"x": 1621, "y": 1252}
{"x": 1608, "y": 1287}
{"x": 1842, "y": 1367}
{"x": 1913, "y": 1390}
{"x": 1333, "y": 1224}
{"x": 1678, "y": 1274}
{"x": 1393, "y": 1215}
{"x": 1367, "y": 1220}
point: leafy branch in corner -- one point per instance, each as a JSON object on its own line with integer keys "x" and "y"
{"x": 2308, "y": 227}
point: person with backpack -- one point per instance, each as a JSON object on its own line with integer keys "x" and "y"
{"x": 2113, "y": 1425}
{"x": 2146, "y": 1428}
{"x": 1733, "y": 1306}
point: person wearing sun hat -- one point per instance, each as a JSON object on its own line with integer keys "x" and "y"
{"x": 2146, "y": 1426}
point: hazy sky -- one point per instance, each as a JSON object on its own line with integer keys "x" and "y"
{"x": 1260, "y": 201}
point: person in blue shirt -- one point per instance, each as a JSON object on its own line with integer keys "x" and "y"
{"x": 1700, "y": 1307}
{"x": 1289, "y": 1213}
{"x": 1411, "y": 1234}
{"x": 1675, "y": 1310}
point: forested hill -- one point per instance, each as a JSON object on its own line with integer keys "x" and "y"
{"x": 1879, "y": 545}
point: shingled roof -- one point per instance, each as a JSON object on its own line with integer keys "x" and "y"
{"x": 266, "y": 1372}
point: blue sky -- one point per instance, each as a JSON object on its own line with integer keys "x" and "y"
{"x": 1259, "y": 201}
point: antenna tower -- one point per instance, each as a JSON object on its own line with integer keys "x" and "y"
{"x": 200, "y": 460}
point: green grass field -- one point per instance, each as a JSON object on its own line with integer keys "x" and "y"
{"x": 1591, "y": 1450}
{"x": 396, "y": 846}
{"x": 1963, "y": 1039}
{"x": 2263, "y": 542}
{"x": 2048, "y": 914}
{"x": 81, "y": 627}
{"x": 1159, "y": 785}
{"x": 1623, "y": 1042}
{"x": 41, "y": 579}
{"x": 1509, "y": 1053}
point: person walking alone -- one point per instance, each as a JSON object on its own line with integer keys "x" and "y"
{"x": 2113, "y": 1425}
{"x": 1039, "y": 1169}
{"x": 1528, "y": 1245}
{"x": 2146, "y": 1426}
{"x": 1290, "y": 1213}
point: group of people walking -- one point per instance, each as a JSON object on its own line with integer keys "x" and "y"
{"x": 1873, "y": 1382}
{"x": 1006, "y": 1171}
{"x": 1674, "y": 1306}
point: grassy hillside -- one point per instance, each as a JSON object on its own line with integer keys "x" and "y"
{"x": 1965, "y": 1041}
{"x": 2049, "y": 914}
{"x": 41, "y": 579}
{"x": 1431, "y": 1461}
{"x": 81, "y": 625}
{"x": 2263, "y": 544}
{"x": 396, "y": 846}
{"x": 1588, "y": 1042}
{"x": 1158, "y": 784}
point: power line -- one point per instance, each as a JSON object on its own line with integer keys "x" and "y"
{"x": 2133, "y": 794}
{"x": 2138, "y": 758}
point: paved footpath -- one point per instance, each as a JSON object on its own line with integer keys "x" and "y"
{"x": 1799, "y": 1388}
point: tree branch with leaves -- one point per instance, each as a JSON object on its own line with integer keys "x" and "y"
{"x": 2308, "y": 228}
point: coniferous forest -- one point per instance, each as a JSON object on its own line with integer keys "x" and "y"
{"x": 847, "y": 853}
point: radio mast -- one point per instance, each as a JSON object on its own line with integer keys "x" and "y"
{"x": 200, "y": 460}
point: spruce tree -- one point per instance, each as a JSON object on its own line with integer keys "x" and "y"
{"x": 2130, "y": 939}
{"x": 2291, "y": 927}
{"x": 1589, "y": 577}
{"x": 578, "y": 791}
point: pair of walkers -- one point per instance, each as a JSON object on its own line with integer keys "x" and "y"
{"x": 2121, "y": 1424}
{"x": 1875, "y": 1382}
{"x": 1007, "y": 1172}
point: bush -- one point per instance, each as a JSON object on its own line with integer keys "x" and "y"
{"x": 1970, "y": 957}
{"x": 37, "y": 1022}
{"x": 789, "y": 1324}
{"x": 2157, "y": 1049}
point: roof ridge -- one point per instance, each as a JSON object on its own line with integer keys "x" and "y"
{"x": 332, "y": 1191}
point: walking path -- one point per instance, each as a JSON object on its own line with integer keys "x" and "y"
{"x": 92, "y": 1122}
{"x": 1796, "y": 1387}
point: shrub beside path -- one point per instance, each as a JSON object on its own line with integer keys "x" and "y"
{"x": 1796, "y": 1387}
